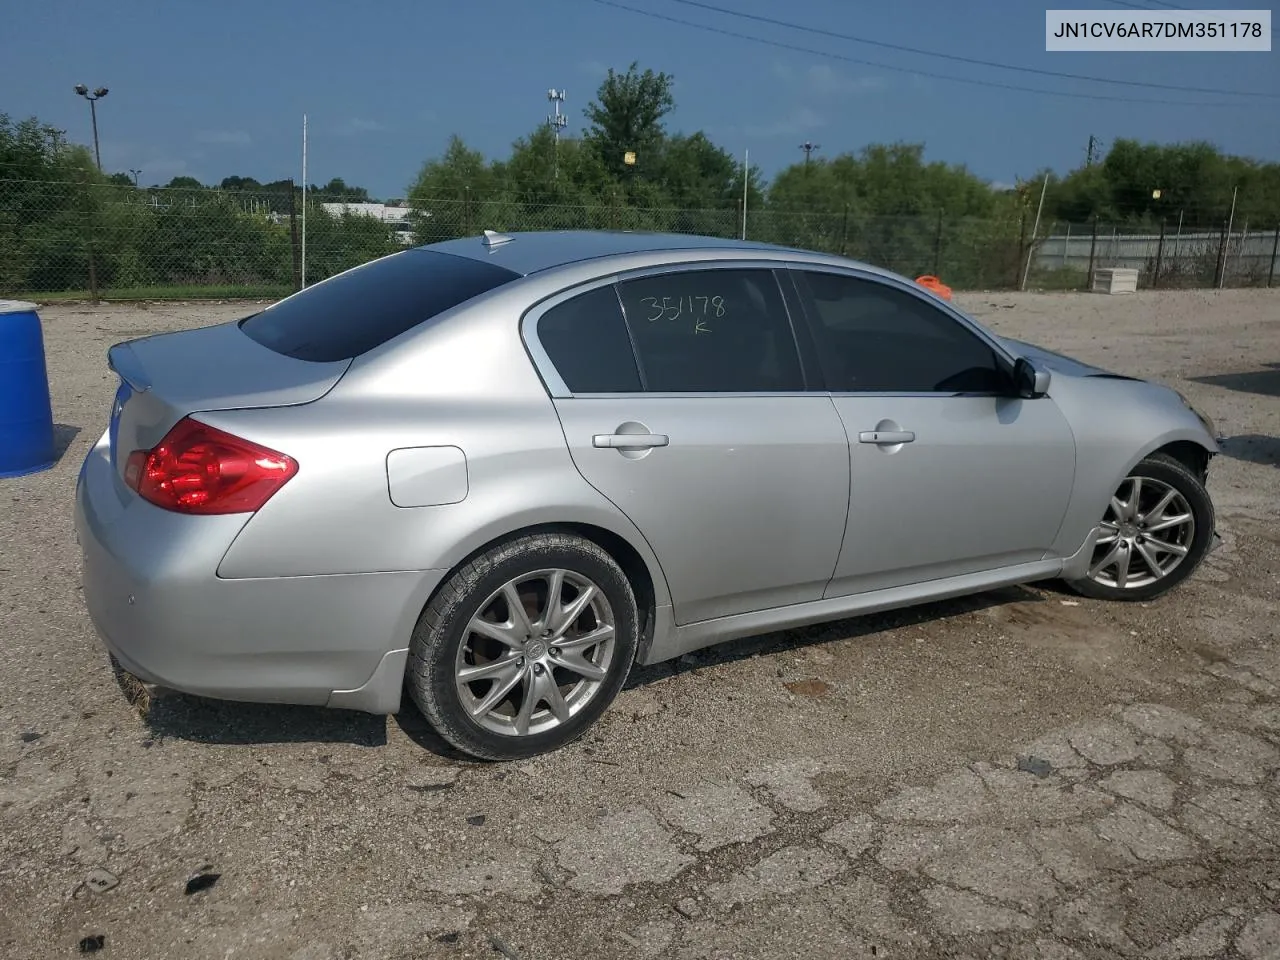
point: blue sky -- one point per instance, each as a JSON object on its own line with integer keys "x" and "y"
{"x": 210, "y": 90}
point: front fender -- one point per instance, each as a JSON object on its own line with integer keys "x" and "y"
{"x": 1117, "y": 424}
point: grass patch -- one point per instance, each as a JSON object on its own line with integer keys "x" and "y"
{"x": 1063, "y": 278}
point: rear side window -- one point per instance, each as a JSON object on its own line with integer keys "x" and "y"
{"x": 363, "y": 308}
{"x": 586, "y": 339}
{"x": 712, "y": 331}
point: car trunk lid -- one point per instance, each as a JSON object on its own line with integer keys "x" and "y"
{"x": 169, "y": 376}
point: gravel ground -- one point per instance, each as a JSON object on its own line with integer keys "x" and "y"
{"x": 848, "y": 790}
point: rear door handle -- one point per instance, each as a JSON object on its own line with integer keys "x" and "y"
{"x": 630, "y": 441}
{"x": 886, "y": 436}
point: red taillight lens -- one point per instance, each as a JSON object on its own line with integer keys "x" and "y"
{"x": 199, "y": 469}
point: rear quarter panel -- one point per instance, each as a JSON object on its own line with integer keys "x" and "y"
{"x": 466, "y": 384}
{"x": 1116, "y": 424}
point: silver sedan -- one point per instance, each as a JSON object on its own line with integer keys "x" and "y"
{"x": 496, "y": 472}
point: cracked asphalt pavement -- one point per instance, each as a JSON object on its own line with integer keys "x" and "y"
{"x": 1021, "y": 774}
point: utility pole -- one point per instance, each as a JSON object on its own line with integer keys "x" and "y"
{"x": 1088, "y": 161}
{"x": 808, "y": 147}
{"x": 557, "y": 122}
{"x": 93, "y": 110}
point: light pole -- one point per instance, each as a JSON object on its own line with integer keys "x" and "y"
{"x": 93, "y": 110}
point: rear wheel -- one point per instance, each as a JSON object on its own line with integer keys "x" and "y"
{"x": 524, "y": 647}
{"x": 1155, "y": 532}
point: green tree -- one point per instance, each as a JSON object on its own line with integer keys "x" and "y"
{"x": 240, "y": 183}
{"x": 1194, "y": 179}
{"x": 444, "y": 195}
{"x": 627, "y": 115}
{"x": 337, "y": 191}
{"x": 46, "y": 194}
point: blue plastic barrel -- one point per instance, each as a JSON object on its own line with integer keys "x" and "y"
{"x": 26, "y": 413}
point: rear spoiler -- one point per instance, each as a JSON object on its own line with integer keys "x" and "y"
{"x": 125, "y": 363}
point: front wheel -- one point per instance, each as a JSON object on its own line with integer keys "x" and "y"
{"x": 1155, "y": 532}
{"x": 524, "y": 647}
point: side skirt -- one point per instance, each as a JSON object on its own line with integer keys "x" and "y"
{"x": 671, "y": 641}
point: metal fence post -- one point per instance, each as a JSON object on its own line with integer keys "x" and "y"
{"x": 93, "y": 274}
{"x": 1155, "y": 279}
{"x": 1022, "y": 239}
{"x": 293, "y": 237}
{"x": 1219, "y": 271}
{"x": 1093, "y": 246}
{"x": 937, "y": 246}
{"x": 1275, "y": 248}
{"x": 90, "y": 241}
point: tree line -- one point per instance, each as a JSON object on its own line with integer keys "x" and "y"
{"x": 65, "y": 225}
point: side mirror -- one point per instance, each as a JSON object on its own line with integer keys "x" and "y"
{"x": 1029, "y": 380}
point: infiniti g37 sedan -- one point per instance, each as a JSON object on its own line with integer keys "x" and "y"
{"x": 496, "y": 472}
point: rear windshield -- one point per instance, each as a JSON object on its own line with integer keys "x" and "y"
{"x": 356, "y": 311}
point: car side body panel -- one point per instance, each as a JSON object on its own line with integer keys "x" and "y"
{"x": 338, "y": 516}
{"x": 744, "y": 507}
{"x": 983, "y": 484}
{"x": 329, "y": 578}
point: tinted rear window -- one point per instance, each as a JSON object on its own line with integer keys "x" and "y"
{"x": 586, "y": 339}
{"x": 356, "y": 311}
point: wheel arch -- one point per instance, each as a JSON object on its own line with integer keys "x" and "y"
{"x": 1192, "y": 455}
{"x": 649, "y": 589}
{"x": 1182, "y": 445}
{"x": 1101, "y": 473}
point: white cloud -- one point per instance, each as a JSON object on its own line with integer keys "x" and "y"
{"x": 823, "y": 80}
{"x": 800, "y": 120}
{"x": 235, "y": 138}
{"x": 354, "y": 126}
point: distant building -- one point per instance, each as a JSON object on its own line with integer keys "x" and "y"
{"x": 396, "y": 216}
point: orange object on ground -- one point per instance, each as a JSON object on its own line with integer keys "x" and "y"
{"x": 937, "y": 286}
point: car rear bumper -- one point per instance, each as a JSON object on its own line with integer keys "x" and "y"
{"x": 154, "y": 597}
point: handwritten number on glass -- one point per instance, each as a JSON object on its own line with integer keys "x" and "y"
{"x": 701, "y": 309}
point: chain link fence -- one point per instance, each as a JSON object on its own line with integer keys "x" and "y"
{"x": 63, "y": 240}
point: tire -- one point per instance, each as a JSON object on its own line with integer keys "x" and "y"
{"x": 1157, "y": 474}
{"x": 446, "y": 644}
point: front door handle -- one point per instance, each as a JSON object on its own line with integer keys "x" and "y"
{"x": 630, "y": 441}
{"x": 886, "y": 436}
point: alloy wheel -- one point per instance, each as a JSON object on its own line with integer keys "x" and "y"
{"x": 536, "y": 652}
{"x": 1144, "y": 535}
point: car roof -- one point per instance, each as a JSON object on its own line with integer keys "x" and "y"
{"x": 534, "y": 251}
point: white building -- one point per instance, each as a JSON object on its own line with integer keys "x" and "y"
{"x": 397, "y": 217}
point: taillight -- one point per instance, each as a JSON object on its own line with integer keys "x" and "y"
{"x": 200, "y": 469}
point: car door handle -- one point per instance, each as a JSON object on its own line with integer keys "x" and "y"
{"x": 886, "y": 436}
{"x": 630, "y": 441}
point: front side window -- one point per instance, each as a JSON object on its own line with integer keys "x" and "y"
{"x": 712, "y": 331}
{"x": 586, "y": 339}
{"x": 876, "y": 338}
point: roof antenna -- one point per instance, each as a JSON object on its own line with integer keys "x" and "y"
{"x": 494, "y": 239}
